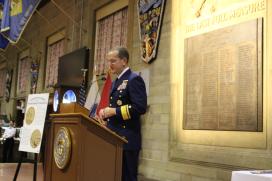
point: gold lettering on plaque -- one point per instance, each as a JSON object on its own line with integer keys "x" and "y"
{"x": 248, "y": 9}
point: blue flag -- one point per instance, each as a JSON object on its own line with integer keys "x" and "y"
{"x": 93, "y": 110}
{"x": 5, "y": 23}
{"x": 20, "y": 12}
{"x": 93, "y": 97}
{"x": 3, "y": 41}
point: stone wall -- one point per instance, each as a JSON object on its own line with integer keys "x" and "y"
{"x": 160, "y": 158}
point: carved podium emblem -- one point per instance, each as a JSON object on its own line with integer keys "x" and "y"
{"x": 62, "y": 148}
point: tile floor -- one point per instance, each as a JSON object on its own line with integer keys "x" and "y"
{"x": 7, "y": 172}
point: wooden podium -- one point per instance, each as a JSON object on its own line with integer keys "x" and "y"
{"x": 96, "y": 152}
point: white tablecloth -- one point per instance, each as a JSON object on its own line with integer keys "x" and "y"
{"x": 248, "y": 176}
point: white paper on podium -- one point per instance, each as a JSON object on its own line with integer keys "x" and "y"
{"x": 32, "y": 130}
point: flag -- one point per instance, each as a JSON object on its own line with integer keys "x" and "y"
{"x": 19, "y": 15}
{"x": 97, "y": 99}
{"x": 93, "y": 96}
{"x": 104, "y": 102}
{"x": 5, "y": 23}
{"x": 82, "y": 93}
{"x": 3, "y": 41}
{"x": 94, "y": 107}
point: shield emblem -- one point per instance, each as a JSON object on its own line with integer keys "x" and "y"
{"x": 150, "y": 13}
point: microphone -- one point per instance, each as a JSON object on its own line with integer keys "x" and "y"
{"x": 101, "y": 78}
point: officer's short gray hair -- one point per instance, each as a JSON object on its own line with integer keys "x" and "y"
{"x": 122, "y": 52}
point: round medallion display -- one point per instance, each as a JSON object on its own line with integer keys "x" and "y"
{"x": 30, "y": 114}
{"x": 36, "y": 138}
{"x": 62, "y": 147}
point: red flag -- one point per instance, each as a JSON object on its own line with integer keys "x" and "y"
{"x": 104, "y": 102}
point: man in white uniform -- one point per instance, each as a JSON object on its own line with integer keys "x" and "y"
{"x": 8, "y": 141}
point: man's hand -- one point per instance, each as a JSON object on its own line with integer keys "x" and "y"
{"x": 107, "y": 112}
{"x": 101, "y": 114}
{"x": 101, "y": 121}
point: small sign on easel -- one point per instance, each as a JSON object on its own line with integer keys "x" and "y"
{"x": 32, "y": 130}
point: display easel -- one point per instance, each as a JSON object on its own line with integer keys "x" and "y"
{"x": 35, "y": 161}
{"x": 31, "y": 133}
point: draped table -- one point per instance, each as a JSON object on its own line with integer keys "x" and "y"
{"x": 258, "y": 175}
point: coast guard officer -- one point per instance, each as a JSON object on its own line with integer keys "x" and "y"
{"x": 128, "y": 101}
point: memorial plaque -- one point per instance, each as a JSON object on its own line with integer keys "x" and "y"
{"x": 223, "y": 79}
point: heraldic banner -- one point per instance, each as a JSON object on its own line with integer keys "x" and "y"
{"x": 150, "y": 14}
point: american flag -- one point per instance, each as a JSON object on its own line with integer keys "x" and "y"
{"x": 82, "y": 90}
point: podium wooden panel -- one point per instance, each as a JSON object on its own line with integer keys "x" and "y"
{"x": 96, "y": 151}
